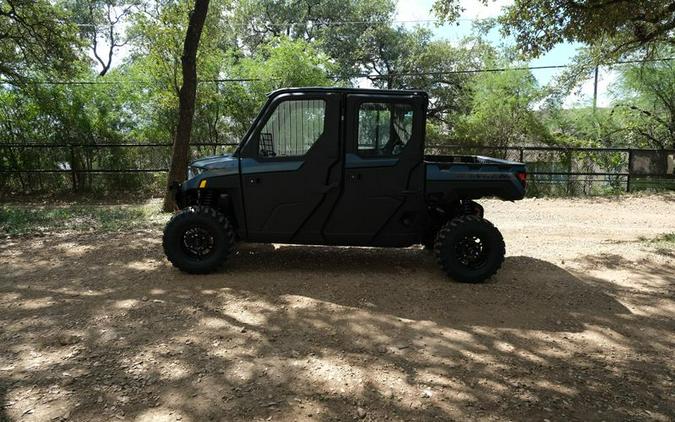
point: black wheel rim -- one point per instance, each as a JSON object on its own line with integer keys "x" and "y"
{"x": 197, "y": 242}
{"x": 472, "y": 251}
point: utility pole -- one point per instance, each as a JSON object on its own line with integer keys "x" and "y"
{"x": 595, "y": 90}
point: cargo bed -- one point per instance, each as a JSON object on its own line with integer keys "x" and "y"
{"x": 474, "y": 177}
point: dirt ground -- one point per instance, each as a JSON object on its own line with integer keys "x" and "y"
{"x": 579, "y": 324}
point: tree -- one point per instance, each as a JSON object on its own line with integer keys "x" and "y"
{"x": 647, "y": 103}
{"x": 187, "y": 95}
{"x": 583, "y": 127}
{"x": 502, "y": 111}
{"x": 281, "y": 62}
{"x": 617, "y": 27}
{"x": 334, "y": 26}
{"x": 34, "y": 36}
{"x": 100, "y": 24}
{"x": 400, "y": 58}
{"x": 157, "y": 35}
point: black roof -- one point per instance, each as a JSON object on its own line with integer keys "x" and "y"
{"x": 324, "y": 89}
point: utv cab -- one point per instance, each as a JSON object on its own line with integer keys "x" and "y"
{"x": 341, "y": 166}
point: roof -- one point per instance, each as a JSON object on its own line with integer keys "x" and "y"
{"x": 323, "y": 89}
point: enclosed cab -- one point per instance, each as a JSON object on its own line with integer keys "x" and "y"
{"x": 336, "y": 166}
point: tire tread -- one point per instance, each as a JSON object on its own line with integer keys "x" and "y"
{"x": 455, "y": 224}
{"x": 211, "y": 213}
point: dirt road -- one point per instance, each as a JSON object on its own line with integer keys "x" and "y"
{"x": 579, "y": 324}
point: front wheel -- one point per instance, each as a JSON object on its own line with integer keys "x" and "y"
{"x": 198, "y": 240}
{"x": 469, "y": 249}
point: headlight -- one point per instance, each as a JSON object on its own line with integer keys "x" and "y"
{"x": 194, "y": 171}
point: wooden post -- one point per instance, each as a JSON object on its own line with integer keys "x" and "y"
{"x": 630, "y": 162}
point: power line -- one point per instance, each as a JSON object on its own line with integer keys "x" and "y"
{"x": 343, "y": 23}
{"x": 507, "y": 69}
{"x": 346, "y": 77}
{"x": 317, "y": 22}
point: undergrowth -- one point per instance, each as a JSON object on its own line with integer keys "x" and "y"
{"x": 25, "y": 219}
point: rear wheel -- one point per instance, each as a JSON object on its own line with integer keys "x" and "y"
{"x": 469, "y": 249}
{"x": 198, "y": 240}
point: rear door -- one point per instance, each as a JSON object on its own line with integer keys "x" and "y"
{"x": 382, "y": 202}
{"x": 291, "y": 168}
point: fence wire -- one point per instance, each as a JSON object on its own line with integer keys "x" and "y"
{"x": 28, "y": 168}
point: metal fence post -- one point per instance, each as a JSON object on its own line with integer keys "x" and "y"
{"x": 73, "y": 171}
{"x": 630, "y": 165}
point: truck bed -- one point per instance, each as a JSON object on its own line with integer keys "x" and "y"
{"x": 473, "y": 177}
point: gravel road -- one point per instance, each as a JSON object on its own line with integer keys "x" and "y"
{"x": 578, "y": 325}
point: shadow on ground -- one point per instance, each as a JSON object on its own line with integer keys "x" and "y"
{"x": 101, "y": 327}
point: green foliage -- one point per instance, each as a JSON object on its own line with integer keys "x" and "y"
{"x": 35, "y": 37}
{"x": 137, "y": 103}
{"x": 647, "y": 103}
{"x": 449, "y": 10}
{"x": 616, "y": 27}
{"x": 336, "y": 25}
{"x": 101, "y": 25}
{"x": 256, "y": 46}
{"x": 583, "y": 127}
{"x": 398, "y": 58}
{"x": 26, "y": 219}
{"x": 605, "y": 31}
{"x": 666, "y": 240}
{"x": 286, "y": 63}
{"x": 627, "y": 25}
{"x": 502, "y": 111}
{"x": 642, "y": 113}
{"x": 229, "y": 108}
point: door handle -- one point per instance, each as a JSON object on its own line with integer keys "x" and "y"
{"x": 355, "y": 177}
{"x": 253, "y": 180}
{"x": 328, "y": 188}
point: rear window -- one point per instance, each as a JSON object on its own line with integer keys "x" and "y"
{"x": 384, "y": 128}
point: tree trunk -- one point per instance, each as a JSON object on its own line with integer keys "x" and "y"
{"x": 186, "y": 100}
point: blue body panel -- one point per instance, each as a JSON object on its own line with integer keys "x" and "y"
{"x": 228, "y": 165}
{"x": 356, "y": 161}
{"x": 252, "y": 166}
{"x": 466, "y": 177}
{"x": 474, "y": 177}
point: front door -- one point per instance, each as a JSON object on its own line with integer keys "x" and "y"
{"x": 291, "y": 168}
{"x": 382, "y": 203}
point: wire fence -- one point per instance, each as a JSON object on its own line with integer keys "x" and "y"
{"x": 81, "y": 167}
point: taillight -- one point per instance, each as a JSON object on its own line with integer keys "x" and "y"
{"x": 522, "y": 176}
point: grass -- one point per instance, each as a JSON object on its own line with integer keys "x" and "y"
{"x": 665, "y": 238}
{"x": 665, "y": 241}
{"x": 26, "y": 219}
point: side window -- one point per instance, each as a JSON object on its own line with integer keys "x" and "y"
{"x": 292, "y": 129}
{"x": 384, "y": 128}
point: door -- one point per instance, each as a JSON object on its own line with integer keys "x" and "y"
{"x": 291, "y": 168}
{"x": 382, "y": 203}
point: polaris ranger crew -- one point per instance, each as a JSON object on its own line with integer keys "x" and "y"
{"x": 342, "y": 166}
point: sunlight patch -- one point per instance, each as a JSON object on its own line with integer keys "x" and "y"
{"x": 126, "y": 304}
{"x": 145, "y": 265}
{"x": 214, "y": 323}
